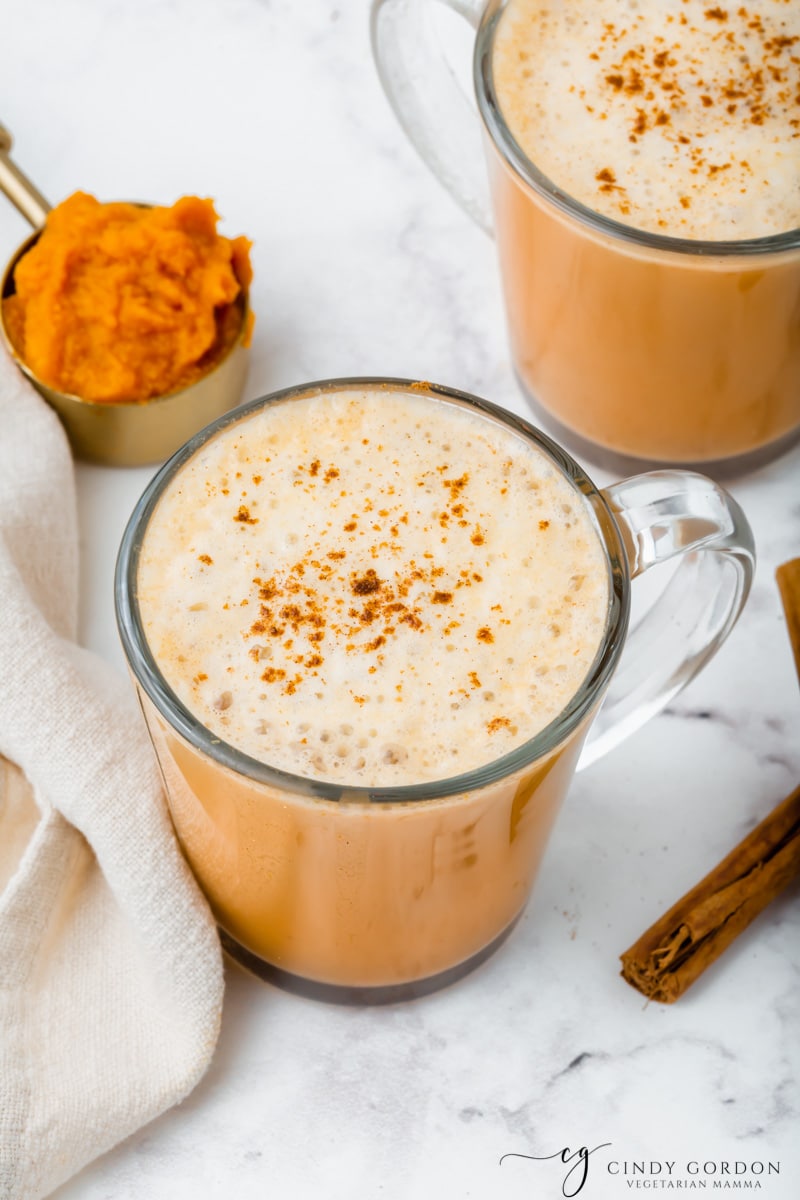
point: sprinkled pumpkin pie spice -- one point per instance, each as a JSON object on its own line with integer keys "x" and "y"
{"x": 339, "y": 617}
{"x": 675, "y": 116}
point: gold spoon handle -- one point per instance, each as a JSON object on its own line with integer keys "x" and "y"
{"x": 19, "y": 189}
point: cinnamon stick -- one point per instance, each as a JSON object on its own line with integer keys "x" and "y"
{"x": 677, "y": 949}
{"x": 788, "y": 577}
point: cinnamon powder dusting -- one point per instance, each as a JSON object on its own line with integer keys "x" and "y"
{"x": 666, "y": 82}
{"x": 307, "y": 602}
{"x": 674, "y": 95}
{"x": 336, "y": 628}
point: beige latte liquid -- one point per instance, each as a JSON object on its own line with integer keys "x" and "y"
{"x": 368, "y": 589}
{"x": 681, "y": 119}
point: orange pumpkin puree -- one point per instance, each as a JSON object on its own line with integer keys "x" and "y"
{"x": 118, "y": 303}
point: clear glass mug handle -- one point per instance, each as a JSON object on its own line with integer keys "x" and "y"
{"x": 427, "y": 99}
{"x": 660, "y": 515}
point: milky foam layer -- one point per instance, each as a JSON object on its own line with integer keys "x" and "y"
{"x": 372, "y": 588}
{"x": 675, "y": 116}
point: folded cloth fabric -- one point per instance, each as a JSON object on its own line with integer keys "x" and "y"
{"x": 110, "y": 966}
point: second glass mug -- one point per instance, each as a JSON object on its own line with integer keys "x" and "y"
{"x": 393, "y": 891}
{"x": 642, "y": 346}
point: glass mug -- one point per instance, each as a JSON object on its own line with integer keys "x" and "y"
{"x": 382, "y": 888}
{"x": 649, "y": 347}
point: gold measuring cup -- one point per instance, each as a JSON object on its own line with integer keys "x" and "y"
{"x": 126, "y": 434}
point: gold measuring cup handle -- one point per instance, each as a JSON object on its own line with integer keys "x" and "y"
{"x": 20, "y": 191}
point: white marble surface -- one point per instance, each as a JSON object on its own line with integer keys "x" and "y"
{"x": 363, "y": 265}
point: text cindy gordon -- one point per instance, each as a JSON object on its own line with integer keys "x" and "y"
{"x": 694, "y": 1173}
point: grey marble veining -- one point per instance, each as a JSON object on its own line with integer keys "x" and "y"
{"x": 364, "y": 266}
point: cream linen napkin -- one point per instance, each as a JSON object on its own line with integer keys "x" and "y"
{"x": 110, "y": 967}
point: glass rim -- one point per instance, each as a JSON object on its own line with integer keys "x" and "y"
{"x": 527, "y": 171}
{"x": 147, "y": 675}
